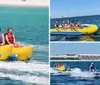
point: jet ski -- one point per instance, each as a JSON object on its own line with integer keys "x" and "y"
{"x": 95, "y": 73}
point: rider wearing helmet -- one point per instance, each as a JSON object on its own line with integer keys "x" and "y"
{"x": 92, "y": 67}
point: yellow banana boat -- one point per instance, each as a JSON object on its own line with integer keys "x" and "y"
{"x": 5, "y": 52}
{"x": 23, "y": 53}
{"x": 88, "y": 30}
{"x": 63, "y": 68}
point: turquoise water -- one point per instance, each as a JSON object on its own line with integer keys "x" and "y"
{"x": 30, "y": 26}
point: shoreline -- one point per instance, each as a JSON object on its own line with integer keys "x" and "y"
{"x": 22, "y": 6}
{"x": 25, "y": 4}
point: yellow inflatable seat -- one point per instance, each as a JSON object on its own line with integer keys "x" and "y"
{"x": 5, "y": 52}
{"x": 24, "y": 53}
{"x": 62, "y": 68}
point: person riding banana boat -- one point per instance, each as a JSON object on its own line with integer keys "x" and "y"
{"x": 56, "y": 25}
{"x": 10, "y": 38}
{"x": 10, "y": 50}
{"x": 62, "y": 67}
{"x": 92, "y": 68}
{"x": 64, "y": 26}
{"x": 67, "y": 25}
{"x": 2, "y": 40}
{"x": 73, "y": 27}
{"x": 79, "y": 25}
{"x": 57, "y": 65}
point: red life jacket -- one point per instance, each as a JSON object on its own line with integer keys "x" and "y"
{"x": 10, "y": 37}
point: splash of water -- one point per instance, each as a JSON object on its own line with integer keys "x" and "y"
{"x": 75, "y": 72}
{"x": 26, "y": 78}
{"x": 38, "y": 48}
{"x": 25, "y": 67}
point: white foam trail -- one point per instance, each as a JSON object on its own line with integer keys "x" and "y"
{"x": 53, "y": 70}
{"x": 87, "y": 24}
{"x": 42, "y": 48}
{"x": 26, "y": 67}
{"x": 27, "y": 78}
{"x": 76, "y": 72}
{"x": 39, "y": 54}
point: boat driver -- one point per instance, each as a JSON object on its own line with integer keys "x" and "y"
{"x": 92, "y": 68}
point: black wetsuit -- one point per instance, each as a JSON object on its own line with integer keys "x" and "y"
{"x": 92, "y": 67}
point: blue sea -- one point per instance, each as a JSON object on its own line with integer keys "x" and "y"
{"x": 30, "y": 26}
{"x": 78, "y": 76}
{"x": 93, "y": 19}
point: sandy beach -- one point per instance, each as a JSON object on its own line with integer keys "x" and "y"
{"x": 25, "y": 2}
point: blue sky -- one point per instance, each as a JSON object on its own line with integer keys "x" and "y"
{"x": 74, "y": 7}
{"x": 75, "y": 48}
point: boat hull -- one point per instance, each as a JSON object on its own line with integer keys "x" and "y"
{"x": 5, "y": 52}
{"x": 23, "y": 53}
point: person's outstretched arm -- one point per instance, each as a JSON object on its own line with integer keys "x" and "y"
{"x": 14, "y": 39}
